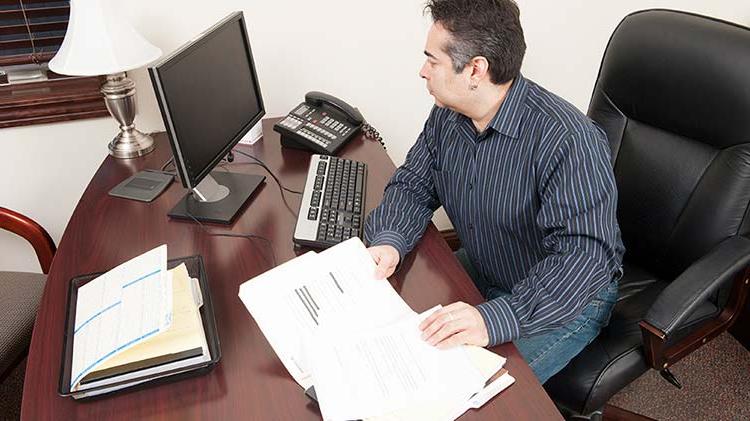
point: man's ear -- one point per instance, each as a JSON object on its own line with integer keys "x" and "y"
{"x": 480, "y": 68}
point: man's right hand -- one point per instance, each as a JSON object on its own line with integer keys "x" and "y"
{"x": 386, "y": 258}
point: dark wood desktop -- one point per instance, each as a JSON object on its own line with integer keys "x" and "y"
{"x": 249, "y": 382}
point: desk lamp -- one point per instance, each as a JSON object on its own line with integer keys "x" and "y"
{"x": 100, "y": 42}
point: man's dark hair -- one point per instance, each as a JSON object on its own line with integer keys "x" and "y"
{"x": 487, "y": 28}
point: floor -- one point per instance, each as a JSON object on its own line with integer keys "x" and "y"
{"x": 715, "y": 386}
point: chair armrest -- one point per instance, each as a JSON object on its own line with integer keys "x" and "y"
{"x": 32, "y": 232}
{"x": 675, "y": 304}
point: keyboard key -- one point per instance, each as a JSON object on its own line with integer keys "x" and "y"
{"x": 360, "y": 183}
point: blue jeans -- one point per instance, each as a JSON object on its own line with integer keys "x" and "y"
{"x": 548, "y": 353}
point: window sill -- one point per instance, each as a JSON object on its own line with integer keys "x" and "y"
{"x": 51, "y": 101}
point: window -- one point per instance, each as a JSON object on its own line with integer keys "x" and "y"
{"x": 31, "y": 31}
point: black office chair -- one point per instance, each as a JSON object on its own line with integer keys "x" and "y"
{"x": 20, "y": 292}
{"x": 673, "y": 95}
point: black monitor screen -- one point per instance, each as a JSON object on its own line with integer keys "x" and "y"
{"x": 209, "y": 97}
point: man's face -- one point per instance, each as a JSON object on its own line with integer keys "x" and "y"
{"x": 449, "y": 89}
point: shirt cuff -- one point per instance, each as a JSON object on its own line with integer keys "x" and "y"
{"x": 391, "y": 238}
{"x": 500, "y": 320}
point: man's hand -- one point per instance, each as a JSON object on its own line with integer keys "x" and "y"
{"x": 386, "y": 257}
{"x": 455, "y": 324}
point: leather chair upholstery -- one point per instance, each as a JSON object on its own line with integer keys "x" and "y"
{"x": 673, "y": 96}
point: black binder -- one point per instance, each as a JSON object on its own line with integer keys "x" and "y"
{"x": 196, "y": 269}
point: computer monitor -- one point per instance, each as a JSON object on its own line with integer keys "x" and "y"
{"x": 209, "y": 98}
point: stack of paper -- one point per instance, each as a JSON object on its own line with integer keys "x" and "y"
{"x": 334, "y": 326}
{"x": 136, "y": 323}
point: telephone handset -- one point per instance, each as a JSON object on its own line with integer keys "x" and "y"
{"x": 323, "y": 123}
{"x": 318, "y": 99}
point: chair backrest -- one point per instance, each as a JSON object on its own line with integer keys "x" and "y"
{"x": 673, "y": 95}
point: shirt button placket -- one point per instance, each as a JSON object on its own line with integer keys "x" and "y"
{"x": 472, "y": 177}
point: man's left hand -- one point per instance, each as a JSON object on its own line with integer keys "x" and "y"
{"x": 455, "y": 324}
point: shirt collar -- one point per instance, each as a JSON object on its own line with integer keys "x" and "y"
{"x": 507, "y": 120}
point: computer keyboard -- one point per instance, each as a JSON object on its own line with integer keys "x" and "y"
{"x": 333, "y": 202}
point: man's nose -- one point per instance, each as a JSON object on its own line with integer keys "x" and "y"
{"x": 423, "y": 72}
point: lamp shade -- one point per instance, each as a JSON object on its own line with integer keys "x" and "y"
{"x": 99, "y": 41}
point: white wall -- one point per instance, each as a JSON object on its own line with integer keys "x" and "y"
{"x": 366, "y": 52}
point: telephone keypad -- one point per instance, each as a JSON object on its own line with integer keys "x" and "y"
{"x": 291, "y": 123}
{"x": 314, "y": 137}
{"x": 321, "y": 131}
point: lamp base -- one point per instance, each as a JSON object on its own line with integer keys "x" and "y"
{"x": 131, "y": 144}
{"x": 119, "y": 96}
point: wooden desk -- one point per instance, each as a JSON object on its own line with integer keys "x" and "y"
{"x": 249, "y": 382}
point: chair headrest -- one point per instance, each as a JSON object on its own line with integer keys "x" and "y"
{"x": 684, "y": 73}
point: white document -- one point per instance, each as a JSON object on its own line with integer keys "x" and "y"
{"x": 282, "y": 321}
{"x": 366, "y": 373}
{"x": 367, "y": 302}
{"x": 291, "y": 301}
{"x": 450, "y": 408}
{"x": 119, "y": 309}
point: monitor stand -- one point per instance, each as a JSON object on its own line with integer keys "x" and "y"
{"x": 218, "y": 198}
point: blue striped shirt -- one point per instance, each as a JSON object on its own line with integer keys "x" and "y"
{"x": 533, "y": 201}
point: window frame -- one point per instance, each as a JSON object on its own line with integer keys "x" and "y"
{"x": 59, "y": 98}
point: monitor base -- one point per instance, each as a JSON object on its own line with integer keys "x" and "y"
{"x": 224, "y": 211}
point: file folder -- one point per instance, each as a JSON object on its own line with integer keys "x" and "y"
{"x": 196, "y": 269}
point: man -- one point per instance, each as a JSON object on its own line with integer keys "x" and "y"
{"x": 526, "y": 180}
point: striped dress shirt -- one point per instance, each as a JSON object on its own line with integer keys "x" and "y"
{"x": 532, "y": 198}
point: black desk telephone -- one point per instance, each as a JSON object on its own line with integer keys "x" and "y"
{"x": 323, "y": 123}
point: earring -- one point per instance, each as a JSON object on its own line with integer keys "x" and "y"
{"x": 473, "y": 87}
